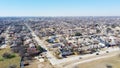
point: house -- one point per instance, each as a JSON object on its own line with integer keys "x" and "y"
{"x": 112, "y": 40}
{"x": 66, "y": 52}
{"x": 102, "y": 45}
{"x": 31, "y": 45}
{"x": 32, "y": 51}
{"x": 27, "y": 41}
{"x": 56, "y": 45}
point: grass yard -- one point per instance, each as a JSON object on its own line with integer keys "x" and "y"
{"x": 5, "y": 63}
{"x": 113, "y": 61}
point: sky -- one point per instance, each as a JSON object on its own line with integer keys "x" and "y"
{"x": 59, "y": 7}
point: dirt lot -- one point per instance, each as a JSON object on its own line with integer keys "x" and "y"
{"x": 37, "y": 64}
{"x": 102, "y": 63}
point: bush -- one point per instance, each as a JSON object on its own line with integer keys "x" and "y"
{"x": 97, "y": 53}
{"x": 13, "y": 66}
{"x": 1, "y": 59}
{"x": 40, "y": 49}
{"x": 8, "y": 55}
{"x": 47, "y": 40}
{"x": 78, "y": 34}
{"x": 109, "y": 66}
{"x": 26, "y": 63}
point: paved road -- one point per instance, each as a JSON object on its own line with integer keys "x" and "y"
{"x": 112, "y": 52}
{"x": 51, "y": 58}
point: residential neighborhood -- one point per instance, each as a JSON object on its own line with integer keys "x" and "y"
{"x": 56, "y": 42}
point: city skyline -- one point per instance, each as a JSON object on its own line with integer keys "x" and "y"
{"x": 59, "y": 8}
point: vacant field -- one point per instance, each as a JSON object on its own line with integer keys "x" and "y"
{"x": 37, "y": 64}
{"x": 102, "y": 63}
{"x": 33, "y": 64}
{"x": 7, "y": 62}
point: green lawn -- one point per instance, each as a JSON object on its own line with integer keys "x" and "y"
{"x": 7, "y": 62}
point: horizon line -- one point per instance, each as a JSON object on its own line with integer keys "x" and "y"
{"x": 61, "y": 16}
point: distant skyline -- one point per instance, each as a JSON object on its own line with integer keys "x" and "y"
{"x": 59, "y": 7}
